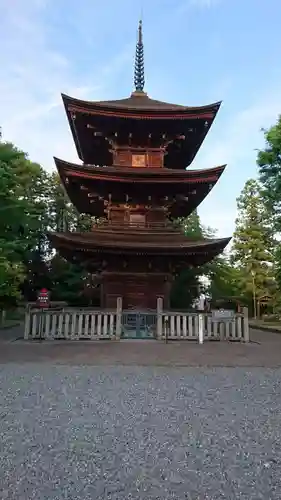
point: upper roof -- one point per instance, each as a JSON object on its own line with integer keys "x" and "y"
{"x": 95, "y": 124}
{"x": 141, "y": 103}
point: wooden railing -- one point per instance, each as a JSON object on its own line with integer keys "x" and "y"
{"x": 71, "y": 325}
{"x": 137, "y": 225}
{"x": 196, "y": 326}
{"x": 89, "y": 324}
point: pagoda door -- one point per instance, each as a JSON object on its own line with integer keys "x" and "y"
{"x": 135, "y": 294}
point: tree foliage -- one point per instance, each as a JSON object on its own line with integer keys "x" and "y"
{"x": 225, "y": 280}
{"x": 186, "y": 287}
{"x": 22, "y": 214}
{"x": 252, "y": 250}
{"x": 33, "y": 202}
{"x": 269, "y": 163}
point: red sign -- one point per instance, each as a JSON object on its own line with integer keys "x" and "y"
{"x": 43, "y": 298}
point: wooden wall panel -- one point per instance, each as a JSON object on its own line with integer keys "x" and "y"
{"x": 155, "y": 159}
{"x": 156, "y": 216}
{"x": 122, "y": 158}
{"x": 117, "y": 216}
{"x": 139, "y": 291}
{"x": 152, "y": 159}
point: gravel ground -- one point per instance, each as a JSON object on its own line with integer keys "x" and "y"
{"x": 84, "y": 432}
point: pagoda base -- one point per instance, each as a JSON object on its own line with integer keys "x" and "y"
{"x": 138, "y": 290}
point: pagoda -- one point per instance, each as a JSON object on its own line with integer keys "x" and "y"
{"x": 133, "y": 181}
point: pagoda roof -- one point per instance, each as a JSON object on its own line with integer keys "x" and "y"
{"x": 106, "y": 241}
{"x": 141, "y": 175}
{"x": 95, "y": 124}
{"x": 137, "y": 105}
{"x": 92, "y": 249}
{"x": 122, "y": 239}
{"x": 86, "y": 186}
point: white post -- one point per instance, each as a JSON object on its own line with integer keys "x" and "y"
{"x": 119, "y": 318}
{"x": 159, "y": 317}
{"x": 246, "y": 325}
{"x": 27, "y": 325}
{"x": 3, "y": 317}
{"x": 201, "y": 328}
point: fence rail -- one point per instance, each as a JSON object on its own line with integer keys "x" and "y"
{"x": 92, "y": 324}
{"x": 70, "y": 325}
{"x": 188, "y": 326}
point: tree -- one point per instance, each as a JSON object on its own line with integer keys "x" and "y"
{"x": 22, "y": 213}
{"x": 67, "y": 279}
{"x": 252, "y": 251}
{"x": 63, "y": 216}
{"x": 186, "y": 287}
{"x": 225, "y": 280}
{"x": 193, "y": 228}
{"x": 269, "y": 163}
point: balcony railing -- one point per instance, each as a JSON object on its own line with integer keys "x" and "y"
{"x": 136, "y": 225}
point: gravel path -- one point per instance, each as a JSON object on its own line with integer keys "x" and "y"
{"x": 82, "y": 432}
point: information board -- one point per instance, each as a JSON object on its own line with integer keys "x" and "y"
{"x": 223, "y": 315}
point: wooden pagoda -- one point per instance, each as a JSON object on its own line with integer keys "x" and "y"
{"x": 134, "y": 179}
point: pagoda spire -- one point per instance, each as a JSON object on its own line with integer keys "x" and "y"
{"x": 139, "y": 62}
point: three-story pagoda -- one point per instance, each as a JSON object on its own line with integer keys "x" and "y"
{"x": 135, "y": 152}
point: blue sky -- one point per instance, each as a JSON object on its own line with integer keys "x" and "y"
{"x": 196, "y": 52}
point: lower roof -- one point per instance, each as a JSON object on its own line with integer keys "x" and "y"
{"x": 171, "y": 242}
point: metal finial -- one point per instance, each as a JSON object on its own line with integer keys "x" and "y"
{"x": 139, "y": 62}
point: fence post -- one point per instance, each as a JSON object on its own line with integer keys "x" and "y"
{"x": 159, "y": 317}
{"x": 3, "y": 317}
{"x": 200, "y": 328}
{"x": 27, "y": 324}
{"x": 118, "y": 318}
{"x": 246, "y": 324}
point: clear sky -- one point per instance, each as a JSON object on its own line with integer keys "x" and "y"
{"x": 196, "y": 52}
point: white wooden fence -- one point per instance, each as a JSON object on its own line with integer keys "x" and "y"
{"x": 71, "y": 325}
{"x": 75, "y": 324}
{"x": 181, "y": 326}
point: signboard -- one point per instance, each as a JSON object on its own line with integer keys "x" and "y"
{"x": 138, "y": 161}
{"x": 223, "y": 315}
{"x": 43, "y": 299}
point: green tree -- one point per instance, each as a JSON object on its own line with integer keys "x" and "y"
{"x": 186, "y": 287}
{"x": 62, "y": 214}
{"x": 225, "y": 280}
{"x": 269, "y": 163}
{"x": 22, "y": 213}
{"x": 67, "y": 279}
{"x": 252, "y": 250}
